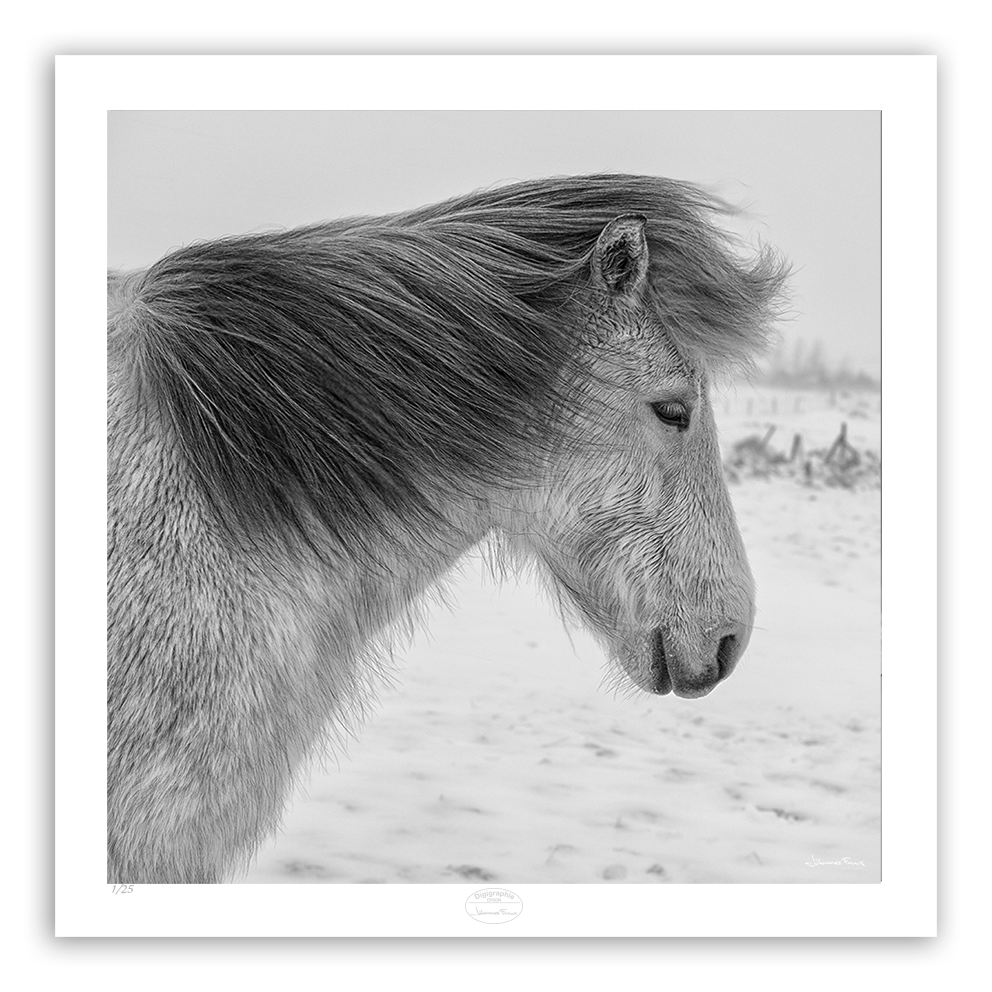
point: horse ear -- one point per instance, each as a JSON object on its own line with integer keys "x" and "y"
{"x": 620, "y": 258}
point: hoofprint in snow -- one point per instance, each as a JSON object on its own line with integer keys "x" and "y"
{"x": 498, "y": 756}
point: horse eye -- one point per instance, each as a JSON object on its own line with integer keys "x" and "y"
{"x": 672, "y": 414}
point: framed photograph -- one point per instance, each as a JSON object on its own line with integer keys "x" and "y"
{"x": 483, "y": 488}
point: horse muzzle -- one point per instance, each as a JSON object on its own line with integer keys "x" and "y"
{"x": 692, "y": 666}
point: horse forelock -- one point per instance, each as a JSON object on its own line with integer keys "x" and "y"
{"x": 349, "y": 372}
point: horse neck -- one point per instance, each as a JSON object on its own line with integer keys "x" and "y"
{"x": 346, "y": 598}
{"x": 370, "y": 593}
{"x": 308, "y": 607}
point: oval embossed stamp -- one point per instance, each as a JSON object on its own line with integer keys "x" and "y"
{"x": 494, "y": 905}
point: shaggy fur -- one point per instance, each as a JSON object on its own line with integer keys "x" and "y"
{"x": 307, "y": 428}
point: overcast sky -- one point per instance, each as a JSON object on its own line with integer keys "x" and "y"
{"x": 811, "y": 181}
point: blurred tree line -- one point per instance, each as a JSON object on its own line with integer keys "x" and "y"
{"x": 803, "y": 365}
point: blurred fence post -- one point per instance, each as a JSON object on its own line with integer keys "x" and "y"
{"x": 839, "y": 445}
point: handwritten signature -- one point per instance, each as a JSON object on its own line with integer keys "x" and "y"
{"x": 843, "y": 863}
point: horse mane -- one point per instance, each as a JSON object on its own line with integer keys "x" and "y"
{"x": 716, "y": 299}
{"x": 342, "y": 372}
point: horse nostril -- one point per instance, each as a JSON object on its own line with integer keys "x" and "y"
{"x": 726, "y": 655}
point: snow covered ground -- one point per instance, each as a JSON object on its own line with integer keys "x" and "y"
{"x": 497, "y": 755}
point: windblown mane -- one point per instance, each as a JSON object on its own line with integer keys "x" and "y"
{"x": 342, "y": 372}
